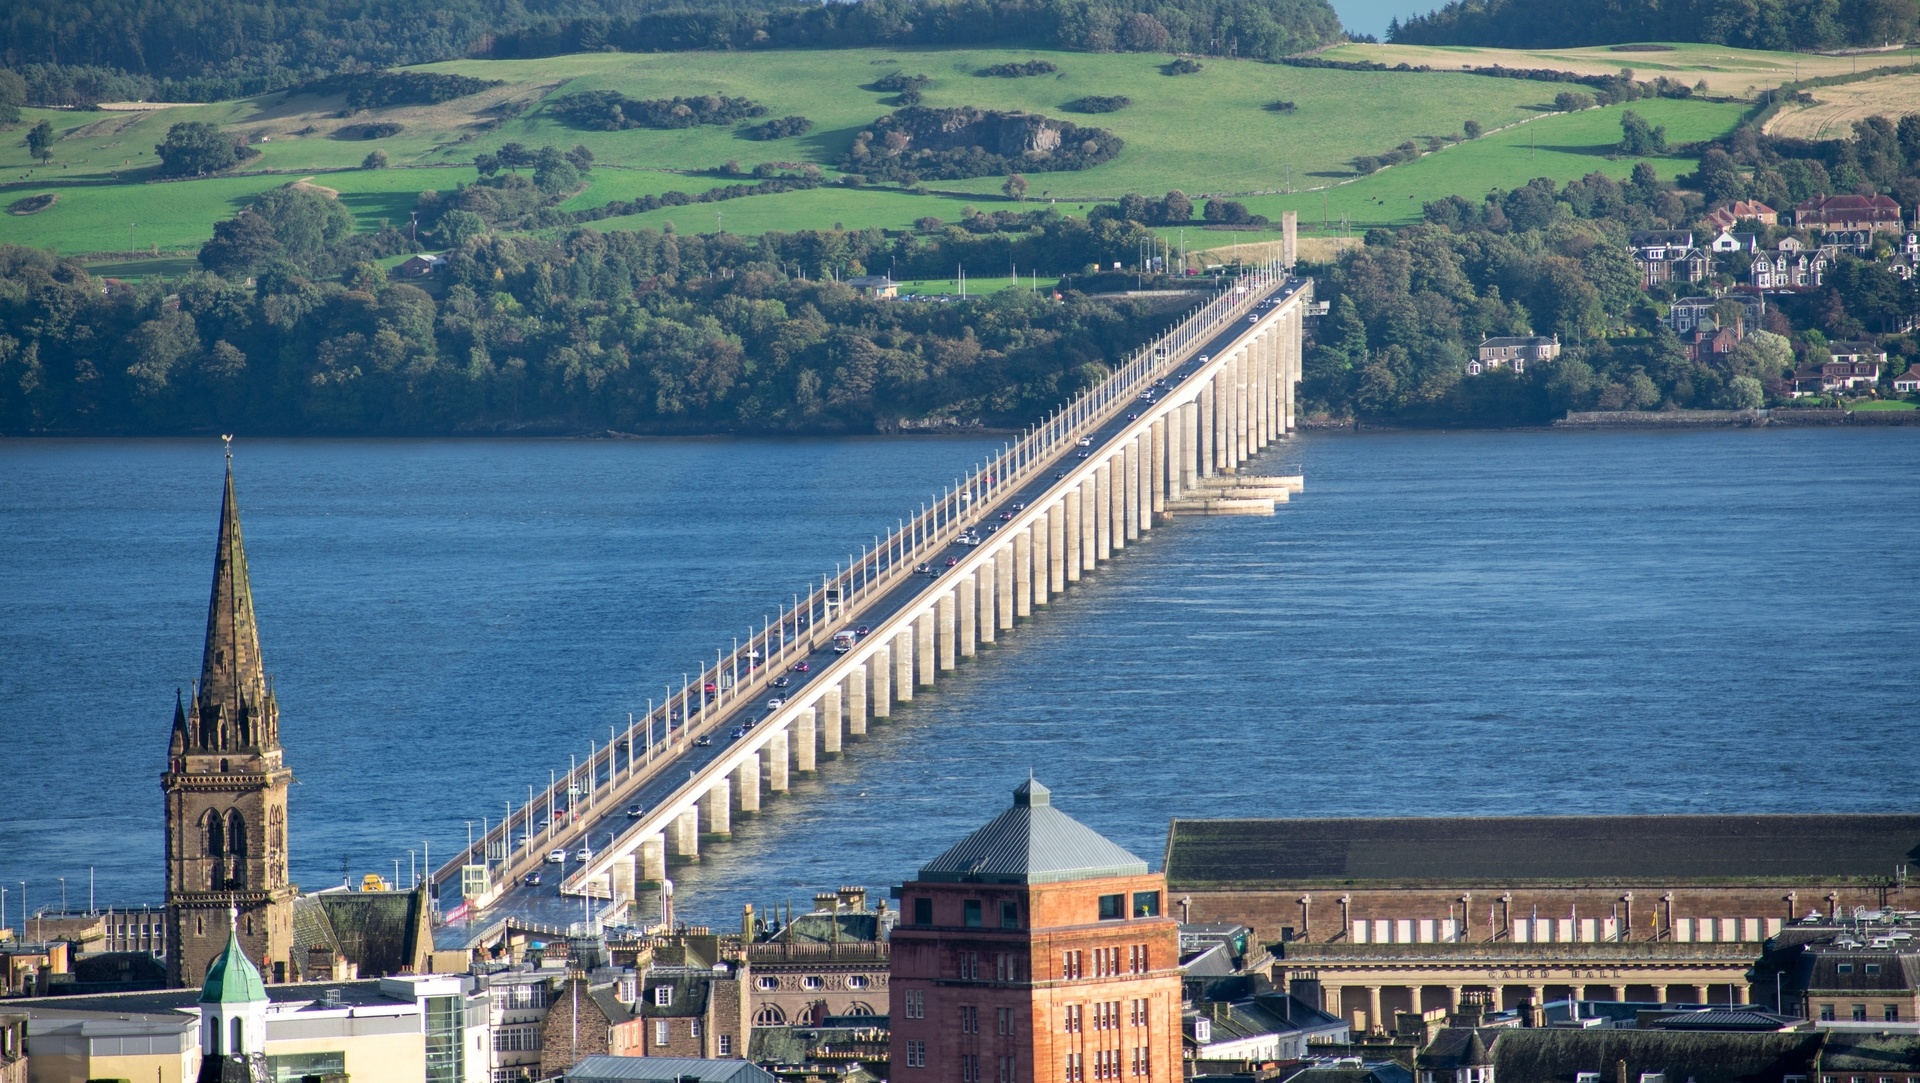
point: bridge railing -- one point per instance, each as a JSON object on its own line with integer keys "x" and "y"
{"x": 706, "y": 698}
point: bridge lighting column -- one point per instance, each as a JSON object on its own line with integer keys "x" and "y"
{"x": 968, "y": 604}
{"x": 806, "y": 748}
{"x": 1023, "y": 573}
{"x": 746, "y": 784}
{"x": 778, "y": 759}
{"x": 903, "y": 665}
{"x": 830, "y": 725}
{"x": 653, "y": 856}
{"x": 1057, "y": 548}
{"x": 1070, "y": 531}
{"x": 882, "y": 663}
{"x": 857, "y": 701}
{"x": 686, "y": 836}
{"x": 716, "y": 808}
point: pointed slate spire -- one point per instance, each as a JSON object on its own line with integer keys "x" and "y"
{"x": 233, "y": 682}
{"x": 178, "y": 742}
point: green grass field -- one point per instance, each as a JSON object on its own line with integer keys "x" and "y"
{"x": 1873, "y": 405}
{"x": 1205, "y": 133}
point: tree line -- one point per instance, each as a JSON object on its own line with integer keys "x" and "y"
{"x": 1777, "y": 24}
{"x": 80, "y": 52}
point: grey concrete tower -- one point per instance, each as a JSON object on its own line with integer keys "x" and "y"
{"x": 226, "y": 790}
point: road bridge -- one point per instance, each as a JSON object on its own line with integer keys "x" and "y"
{"x": 1095, "y": 476}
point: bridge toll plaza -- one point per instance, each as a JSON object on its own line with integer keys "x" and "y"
{"x": 1391, "y": 915}
{"x": 1167, "y": 434}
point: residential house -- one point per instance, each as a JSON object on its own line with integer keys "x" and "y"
{"x": 1850, "y": 369}
{"x": 1689, "y": 313}
{"x": 420, "y": 266}
{"x": 1265, "y": 1027}
{"x": 702, "y": 1010}
{"x": 1709, "y": 342}
{"x": 1743, "y": 210}
{"x": 1876, "y": 213}
{"x": 1513, "y": 352}
{"x": 1729, "y": 241}
{"x": 1669, "y": 256}
{"x": 1858, "y": 242}
{"x": 1908, "y": 381}
{"x": 1789, "y": 269}
{"x": 831, "y": 962}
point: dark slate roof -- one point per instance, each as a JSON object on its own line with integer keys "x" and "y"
{"x": 690, "y": 991}
{"x": 667, "y": 1070}
{"x": 1506, "y": 850}
{"x": 1725, "y": 1019}
{"x": 1892, "y": 972}
{"x": 1457, "y": 1047}
{"x": 1548, "y": 1056}
{"x": 379, "y": 931}
{"x": 1032, "y": 843}
{"x": 169, "y": 1001}
{"x": 818, "y": 927}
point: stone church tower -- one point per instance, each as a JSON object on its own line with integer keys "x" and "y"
{"x": 226, "y": 791}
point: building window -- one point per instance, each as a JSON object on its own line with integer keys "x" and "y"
{"x": 1004, "y": 1022}
{"x": 661, "y": 1034}
{"x": 969, "y": 1019}
{"x": 857, "y": 981}
{"x": 1871, "y": 968}
{"x": 1074, "y": 1069}
{"x": 969, "y": 965}
{"x": 916, "y": 1053}
{"x": 1003, "y": 967}
{"x": 1113, "y": 907}
{"x": 767, "y": 984}
{"x": 693, "y": 1027}
{"x": 916, "y": 1004}
{"x": 1893, "y": 1013}
{"x": 1844, "y": 968}
{"x": 970, "y": 913}
{"x": 663, "y": 995}
{"x": 726, "y": 1045}
{"x": 1071, "y": 1022}
{"x": 1006, "y": 1070}
{"x": 812, "y": 981}
{"x": 923, "y": 911}
{"x": 1826, "y": 1013}
{"x": 1859, "y": 1013}
{"x": 1138, "y": 1017}
{"x": 1146, "y": 904}
{"x": 969, "y": 1068}
{"x": 1073, "y": 964}
{"x": 1009, "y": 914}
{"x": 770, "y": 1015}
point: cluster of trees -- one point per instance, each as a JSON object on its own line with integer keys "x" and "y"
{"x": 909, "y": 144}
{"x": 1020, "y": 70}
{"x": 1174, "y": 209}
{"x": 1185, "y": 65}
{"x": 780, "y": 128}
{"x": 1781, "y": 24}
{"x": 1099, "y": 103}
{"x": 297, "y": 227}
{"x": 377, "y": 89}
{"x": 194, "y": 148}
{"x": 629, "y": 331}
{"x": 1880, "y": 155}
{"x": 611, "y": 111}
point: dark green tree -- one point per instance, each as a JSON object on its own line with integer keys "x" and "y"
{"x": 40, "y": 141}
{"x": 193, "y": 148}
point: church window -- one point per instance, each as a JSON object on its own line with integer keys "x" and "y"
{"x": 210, "y": 1041}
{"x": 769, "y": 1015}
{"x": 200, "y": 925}
{"x": 216, "y": 835}
{"x": 249, "y": 924}
{"x": 239, "y": 1044}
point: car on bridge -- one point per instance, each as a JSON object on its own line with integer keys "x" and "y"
{"x": 738, "y": 733}
{"x": 531, "y": 879}
{"x": 703, "y": 741}
{"x": 782, "y": 682}
{"x": 634, "y": 812}
{"x": 583, "y": 854}
{"x": 801, "y": 667}
{"x": 774, "y": 702}
{"x": 556, "y": 857}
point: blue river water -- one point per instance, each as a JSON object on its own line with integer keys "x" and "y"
{"x": 1457, "y": 623}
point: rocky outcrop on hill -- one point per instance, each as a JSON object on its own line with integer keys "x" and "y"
{"x": 949, "y": 144}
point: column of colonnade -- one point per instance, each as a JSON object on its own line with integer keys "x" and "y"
{"x": 1245, "y": 401}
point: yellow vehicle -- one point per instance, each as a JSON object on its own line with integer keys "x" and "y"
{"x": 373, "y": 881}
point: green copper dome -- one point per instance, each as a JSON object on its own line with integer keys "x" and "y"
{"x": 233, "y": 979}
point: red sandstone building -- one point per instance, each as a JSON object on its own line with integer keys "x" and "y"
{"x": 1035, "y": 951}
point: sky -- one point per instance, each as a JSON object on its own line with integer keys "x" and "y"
{"x": 1370, "y": 16}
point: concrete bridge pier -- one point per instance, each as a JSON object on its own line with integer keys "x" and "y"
{"x": 882, "y": 663}
{"x": 805, "y": 745}
{"x": 1070, "y": 546}
{"x": 1171, "y": 453}
{"x": 1103, "y": 511}
{"x": 746, "y": 785}
{"x": 1131, "y": 495}
{"x": 621, "y": 888}
{"x": 653, "y": 857}
{"x": 831, "y": 727}
{"x": 1190, "y": 441}
{"x": 903, "y": 659}
{"x": 1242, "y": 387}
{"x": 1023, "y": 573}
{"x": 1042, "y": 559}
{"x": 946, "y": 629}
{"x": 1089, "y": 524}
{"x": 778, "y": 759}
{"x": 1116, "y": 504}
{"x": 686, "y": 836}
{"x": 1158, "y": 469}
{"x": 857, "y": 701}
{"x": 1003, "y": 584}
{"x": 967, "y": 613}
{"x": 1203, "y": 441}
{"x": 1057, "y": 548}
{"x": 986, "y": 620}
{"x": 716, "y": 808}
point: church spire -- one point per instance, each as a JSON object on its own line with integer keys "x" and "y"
{"x": 233, "y": 703}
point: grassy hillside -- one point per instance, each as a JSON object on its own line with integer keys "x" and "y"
{"x": 1727, "y": 71}
{"x": 1204, "y": 133}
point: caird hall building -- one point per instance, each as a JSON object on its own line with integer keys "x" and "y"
{"x": 1377, "y": 916}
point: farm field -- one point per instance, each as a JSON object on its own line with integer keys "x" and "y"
{"x": 1727, "y": 71}
{"x": 1204, "y": 133}
{"x": 1835, "y": 108}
